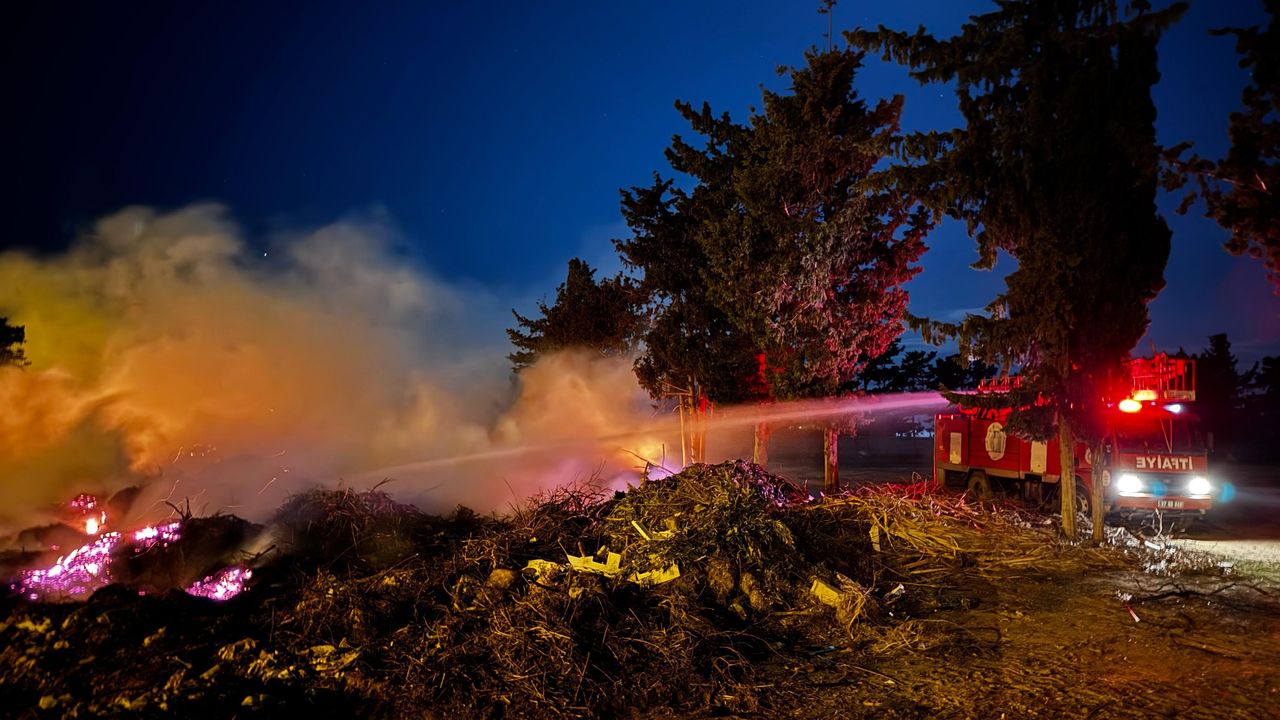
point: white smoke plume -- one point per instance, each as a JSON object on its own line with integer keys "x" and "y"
{"x": 164, "y": 353}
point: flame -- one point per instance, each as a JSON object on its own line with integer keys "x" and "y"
{"x": 88, "y": 567}
{"x": 75, "y": 574}
{"x": 222, "y": 585}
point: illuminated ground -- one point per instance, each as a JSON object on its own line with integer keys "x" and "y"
{"x": 1245, "y": 531}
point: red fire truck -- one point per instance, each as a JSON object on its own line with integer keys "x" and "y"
{"x": 1154, "y": 458}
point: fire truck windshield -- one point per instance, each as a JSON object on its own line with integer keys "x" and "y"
{"x": 1150, "y": 434}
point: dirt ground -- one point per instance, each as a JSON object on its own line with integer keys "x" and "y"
{"x": 1198, "y": 644}
{"x": 1246, "y": 528}
{"x": 1068, "y": 647}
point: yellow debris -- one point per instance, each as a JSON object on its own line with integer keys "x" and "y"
{"x": 657, "y": 577}
{"x": 826, "y": 594}
{"x": 611, "y": 567}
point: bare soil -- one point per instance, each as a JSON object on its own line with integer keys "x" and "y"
{"x": 1205, "y": 642}
{"x": 1067, "y": 646}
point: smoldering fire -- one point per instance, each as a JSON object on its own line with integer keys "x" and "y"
{"x": 163, "y": 356}
{"x": 165, "y": 353}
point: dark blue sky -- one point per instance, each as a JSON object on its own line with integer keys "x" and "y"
{"x": 496, "y": 135}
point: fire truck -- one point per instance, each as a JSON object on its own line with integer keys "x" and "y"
{"x": 1154, "y": 459}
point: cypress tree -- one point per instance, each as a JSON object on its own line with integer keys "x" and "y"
{"x": 1056, "y": 165}
{"x": 601, "y": 316}
{"x": 11, "y": 339}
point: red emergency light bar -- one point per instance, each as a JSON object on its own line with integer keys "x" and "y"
{"x": 1000, "y": 384}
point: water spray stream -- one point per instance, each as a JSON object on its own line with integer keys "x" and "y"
{"x": 735, "y": 417}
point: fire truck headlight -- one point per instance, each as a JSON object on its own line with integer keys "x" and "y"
{"x": 1199, "y": 485}
{"x": 1128, "y": 484}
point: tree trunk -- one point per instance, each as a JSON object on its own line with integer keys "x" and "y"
{"x": 684, "y": 434}
{"x": 1096, "y": 493}
{"x": 696, "y": 438}
{"x": 760, "y": 454}
{"x": 701, "y": 409}
{"x": 830, "y": 460}
{"x": 1067, "y": 478}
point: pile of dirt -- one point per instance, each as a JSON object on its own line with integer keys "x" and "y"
{"x": 692, "y": 593}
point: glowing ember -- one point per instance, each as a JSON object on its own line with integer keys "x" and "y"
{"x": 222, "y": 585}
{"x": 87, "y": 568}
{"x": 84, "y": 503}
{"x": 93, "y": 516}
{"x": 76, "y": 573}
{"x": 163, "y": 533}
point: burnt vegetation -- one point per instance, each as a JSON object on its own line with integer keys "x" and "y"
{"x": 763, "y": 601}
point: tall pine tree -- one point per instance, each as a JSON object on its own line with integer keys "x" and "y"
{"x": 690, "y": 344}
{"x": 600, "y": 316}
{"x": 11, "y": 339}
{"x": 800, "y": 255}
{"x": 786, "y": 256}
{"x": 1057, "y": 165}
{"x": 1218, "y": 390}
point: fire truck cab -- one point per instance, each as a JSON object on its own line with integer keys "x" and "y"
{"x": 1154, "y": 460}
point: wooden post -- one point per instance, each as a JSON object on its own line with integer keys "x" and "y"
{"x": 684, "y": 438}
{"x": 698, "y": 436}
{"x": 760, "y": 451}
{"x": 830, "y": 460}
{"x": 1067, "y": 478}
{"x": 1096, "y": 500}
{"x": 704, "y": 416}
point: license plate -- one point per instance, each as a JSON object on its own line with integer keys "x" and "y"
{"x": 1175, "y": 504}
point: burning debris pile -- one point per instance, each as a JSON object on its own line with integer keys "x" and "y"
{"x": 696, "y": 591}
{"x": 190, "y": 553}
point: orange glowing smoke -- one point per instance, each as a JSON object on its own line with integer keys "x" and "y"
{"x": 165, "y": 353}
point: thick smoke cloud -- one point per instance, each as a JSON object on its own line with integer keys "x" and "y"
{"x": 165, "y": 353}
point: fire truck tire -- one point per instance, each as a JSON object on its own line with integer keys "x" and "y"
{"x": 979, "y": 486}
{"x": 1051, "y": 500}
{"x": 1083, "y": 501}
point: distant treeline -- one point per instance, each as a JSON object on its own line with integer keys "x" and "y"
{"x": 1241, "y": 407}
{"x": 916, "y": 370}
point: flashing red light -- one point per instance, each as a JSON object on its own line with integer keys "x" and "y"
{"x": 1129, "y": 405}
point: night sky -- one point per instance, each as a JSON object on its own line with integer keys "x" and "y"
{"x": 495, "y": 136}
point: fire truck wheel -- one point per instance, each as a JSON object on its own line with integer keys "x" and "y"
{"x": 1051, "y": 501}
{"x": 979, "y": 486}
{"x": 1082, "y": 497}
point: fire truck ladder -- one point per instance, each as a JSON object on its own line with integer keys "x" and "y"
{"x": 1163, "y": 378}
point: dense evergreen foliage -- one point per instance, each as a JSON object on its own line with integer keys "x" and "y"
{"x": 600, "y": 316}
{"x": 1057, "y": 166}
{"x": 11, "y": 339}
{"x": 915, "y": 370}
{"x": 776, "y": 261}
